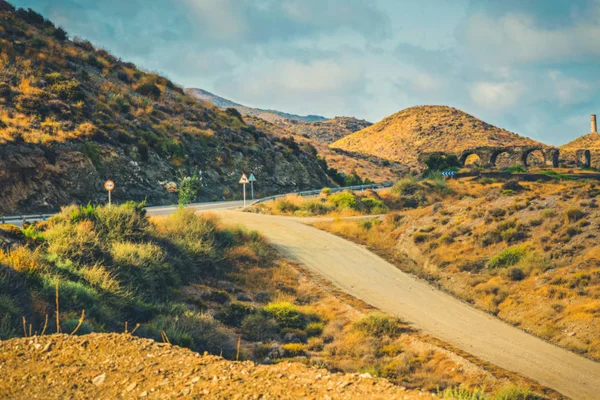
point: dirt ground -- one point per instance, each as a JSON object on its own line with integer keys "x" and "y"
{"x": 112, "y": 366}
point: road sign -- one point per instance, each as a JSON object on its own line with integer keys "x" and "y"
{"x": 109, "y": 186}
{"x": 243, "y": 181}
{"x": 448, "y": 173}
{"x": 252, "y": 179}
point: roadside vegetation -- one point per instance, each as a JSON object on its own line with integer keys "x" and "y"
{"x": 525, "y": 252}
{"x": 406, "y": 193}
{"x": 193, "y": 282}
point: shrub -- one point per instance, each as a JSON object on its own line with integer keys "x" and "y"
{"x": 344, "y": 200}
{"x": 234, "y": 313}
{"x": 378, "y": 325}
{"x": 574, "y": 214}
{"x": 420, "y": 237}
{"x": 515, "y": 274}
{"x": 259, "y": 327}
{"x": 286, "y": 205}
{"x": 199, "y": 332}
{"x": 508, "y": 257}
{"x": 513, "y": 185}
{"x": 126, "y": 222}
{"x": 286, "y": 314}
{"x": 293, "y": 349}
{"x": 314, "y": 328}
{"x": 406, "y": 186}
{"x": 373, "y": 206}
{"x": 149, "y": 90}
{"x": 325, "y": 191}
{"x": 79, "y": 242}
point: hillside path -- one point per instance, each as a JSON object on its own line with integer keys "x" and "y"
{"x": 368, "y": 277}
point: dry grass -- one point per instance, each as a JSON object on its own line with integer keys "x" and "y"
{"x": 535, "y": 264}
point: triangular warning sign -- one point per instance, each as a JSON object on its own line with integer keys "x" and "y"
{"x": 244, "y": 179}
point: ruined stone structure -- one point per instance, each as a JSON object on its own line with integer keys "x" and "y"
{"x": 517, "y": 155}
{"x": 594, "y": 126}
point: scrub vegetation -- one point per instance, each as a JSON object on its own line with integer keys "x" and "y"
{"x": 525, "y": 252}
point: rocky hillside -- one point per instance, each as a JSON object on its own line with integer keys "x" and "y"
{"x": 330, "y": 130}
{"x": 267, "y": 115}
{"x": 123, "y": 366}
{"x": 316, "y": 133}
{"x": 72, "y": 116}
{"x": 410, "y": 132}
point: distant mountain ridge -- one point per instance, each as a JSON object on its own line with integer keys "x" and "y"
{"x": 267, "y": 115}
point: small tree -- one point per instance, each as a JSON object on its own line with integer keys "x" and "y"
{"x": 188, "y": 187}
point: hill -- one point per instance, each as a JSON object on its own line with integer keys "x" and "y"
{"x": 267, "y": 115}
{"x": 72, "y": 116}
{"x": 330, "y": 130}
{"x": 591, "y": 141}
{"x": 318, "y": 134}
{"x": 115, "y": 366}
{"x": 403, "y": 136}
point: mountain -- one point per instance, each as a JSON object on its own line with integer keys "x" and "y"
{"x": 72, "y": 116}
{"x": 267, "y": 115}
{"x": 403, "y": 136}
{"x": 318, "y": 134}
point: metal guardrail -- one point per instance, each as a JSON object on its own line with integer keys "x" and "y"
{"x": 44, "y": 217}
{"x": 25, "y": 218}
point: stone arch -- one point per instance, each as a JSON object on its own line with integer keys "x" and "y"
{"x": 527, "y": 152}
{"x": 494, "y": 158}
{"x": 552, "y": 157}
{"x": 534, "y": 157}
{"x": 584, "y": 158}
{"x": 467, "y": 156}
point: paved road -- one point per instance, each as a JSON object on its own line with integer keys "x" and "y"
{"x": 366, "y": 276}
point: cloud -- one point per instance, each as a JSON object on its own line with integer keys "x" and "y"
{"x": 514, "y": 36}
{"x": 496, "y": 95}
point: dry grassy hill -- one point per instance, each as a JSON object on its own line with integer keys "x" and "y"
{"x": 591, "y": 141}
{"x": 72, "y": 116}
{"x": 403, "y": 136}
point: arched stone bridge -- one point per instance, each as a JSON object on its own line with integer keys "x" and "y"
{"x": 517, "y": 155}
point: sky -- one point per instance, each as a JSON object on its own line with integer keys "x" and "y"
{"x": 530, "y": 66}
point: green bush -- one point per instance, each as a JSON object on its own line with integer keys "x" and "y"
{"x": 284, "y": 205}
{"x": 508, "y": 257}
{"x": 149, "y": 90}
{"x": 234, "y": 313}
{"x": 293, "y": 349}
{"x": 78, "y": 242}
{"x": 378, "y": 325}
{"x": 373, "y": 206}
{"x": 343, "y": 200}
{"x": 125, "y": 222}
{"x": 259, "y": 327}
{"x": 286, "y": 314}
{"x": 406, "y": 186}
{"x": 314, "y": 328}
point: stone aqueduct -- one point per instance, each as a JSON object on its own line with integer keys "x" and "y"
{"x": 516, "y": 155}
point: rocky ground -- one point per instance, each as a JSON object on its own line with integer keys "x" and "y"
{"x": 123, "y": 366}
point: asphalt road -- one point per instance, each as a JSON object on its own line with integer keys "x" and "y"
{"x": 366, "y": 276}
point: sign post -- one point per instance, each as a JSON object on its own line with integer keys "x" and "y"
{"x": 244, "y": 180}
{"x": 252, "y": 179}
{"x": 109, "y": 186}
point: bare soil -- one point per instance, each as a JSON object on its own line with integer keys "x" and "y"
{"x": 112, "y": 366}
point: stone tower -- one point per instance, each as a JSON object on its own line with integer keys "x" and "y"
{"x": 594, "y": 126}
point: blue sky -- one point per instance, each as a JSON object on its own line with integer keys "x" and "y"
{"x": 530, "y": 66}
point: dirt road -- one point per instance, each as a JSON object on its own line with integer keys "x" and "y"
{"x": 366, "y": 276}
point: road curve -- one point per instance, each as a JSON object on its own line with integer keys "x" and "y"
{"x": 366, "y": 276}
